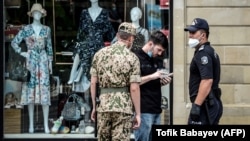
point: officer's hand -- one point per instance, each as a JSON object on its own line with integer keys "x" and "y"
{"x": 195, "y": 112}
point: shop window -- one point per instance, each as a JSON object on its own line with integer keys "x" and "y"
{"x": 63, "y": 19}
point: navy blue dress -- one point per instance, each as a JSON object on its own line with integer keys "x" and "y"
{"x": 91, "y": 36}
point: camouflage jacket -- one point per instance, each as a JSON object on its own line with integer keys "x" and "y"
{"x": 115, "y": 66}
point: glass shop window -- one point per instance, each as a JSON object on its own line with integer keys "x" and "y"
{"x": 35, "y": 104}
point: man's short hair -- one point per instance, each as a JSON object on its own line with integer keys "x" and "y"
{"x": 159, "y": 38}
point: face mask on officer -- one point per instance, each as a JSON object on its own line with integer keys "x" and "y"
{"x": 193, "y": 42}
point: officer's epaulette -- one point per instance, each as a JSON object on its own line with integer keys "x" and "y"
{"x": 202, "y": 47}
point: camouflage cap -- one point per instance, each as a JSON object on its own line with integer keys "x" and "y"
{"x": 127, "y": 27}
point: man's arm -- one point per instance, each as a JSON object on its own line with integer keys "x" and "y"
{"x": 204, "y": 89}
{"x": 93, "y": 95}
{"x": 136, "y": 99}
{"x": 203, "y": 92}
{"x": 147, "y": 78}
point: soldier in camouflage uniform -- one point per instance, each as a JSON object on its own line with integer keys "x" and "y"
{"x": 117, "y": 70}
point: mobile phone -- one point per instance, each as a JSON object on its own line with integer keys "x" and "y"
{"x": 170, "y": 74}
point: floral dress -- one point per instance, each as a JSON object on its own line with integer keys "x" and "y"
{"x": 39, "y": 53}
{"x": 91, "y": 36}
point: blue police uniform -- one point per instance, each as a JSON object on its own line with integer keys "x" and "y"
{"x": 206, "y": 59}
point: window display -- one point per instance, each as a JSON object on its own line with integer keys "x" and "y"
{"x": 39, "y": 57}
{"x": 94, "y": 26}
{"x": 56, "y": 41}
{"x": 142, "y": 34}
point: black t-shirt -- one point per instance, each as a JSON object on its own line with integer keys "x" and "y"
{"x": 150, "y": 91}
{"x": 204, "y": 65}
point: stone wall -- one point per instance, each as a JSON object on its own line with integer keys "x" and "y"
{"x": 229, "y": 35}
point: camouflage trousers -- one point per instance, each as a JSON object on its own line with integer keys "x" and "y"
{"x": 114, "y": 126}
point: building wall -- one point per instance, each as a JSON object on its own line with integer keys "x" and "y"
{"x": 229, "y": 35}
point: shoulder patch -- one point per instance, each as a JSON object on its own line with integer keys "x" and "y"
{"x": 215, "y": 55}
{"x": 204, "y": 60}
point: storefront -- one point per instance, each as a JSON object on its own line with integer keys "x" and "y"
{"x": 63, "y": 18}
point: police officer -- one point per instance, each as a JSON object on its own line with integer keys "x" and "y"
{"x": 117, "y": 70}
{"x": 204, "y": 76}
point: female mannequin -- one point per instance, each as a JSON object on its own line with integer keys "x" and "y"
{"x": 142, "y": 34}
{"x": 39, "y": 57}
{"x": 94, "y": 26}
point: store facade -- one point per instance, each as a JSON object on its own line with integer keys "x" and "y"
{"x": 63, "y": 18}
{"x": 229, "y": 35}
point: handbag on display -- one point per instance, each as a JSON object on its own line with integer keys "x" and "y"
{"x": 19, "y": 72}
{"x": 16, "y": 65}
{"x": 72, "y": 108}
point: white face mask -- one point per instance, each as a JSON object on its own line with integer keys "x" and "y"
{"x": 193, "y": 42}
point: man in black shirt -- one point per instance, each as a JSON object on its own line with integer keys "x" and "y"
{"x": 204, "y": 76}
{"x": 151, "y": 82}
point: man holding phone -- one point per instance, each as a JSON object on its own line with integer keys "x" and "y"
{"x": 152, "y": 78}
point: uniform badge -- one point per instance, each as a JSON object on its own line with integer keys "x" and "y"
{"x": 204, "y": 60}
{"x": 215, "y": 55}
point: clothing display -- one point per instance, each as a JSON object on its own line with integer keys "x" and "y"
{"x": 92, "y": 35}
{"x": 140, "y": 39}
{"x": 65, "y": 36}
{"x": 39, "y": 53}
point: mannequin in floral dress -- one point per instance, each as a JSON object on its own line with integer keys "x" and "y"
{"x": 39, "y": 57}
{"x": 93, "y": 28}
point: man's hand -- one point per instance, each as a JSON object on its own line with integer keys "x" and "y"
{"x": 156, "y": 75}
{"x": 93, "y": 115}
{"x": 136, "y": 122}
{"x": 195, "y": 112}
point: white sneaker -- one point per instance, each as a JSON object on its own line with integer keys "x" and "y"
{"x": 18, "y": 105}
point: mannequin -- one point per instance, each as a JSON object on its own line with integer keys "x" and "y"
{"x": 94, "y": 25}
{"x": 142, "y": 34}
{"x": 39, "y": 57}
